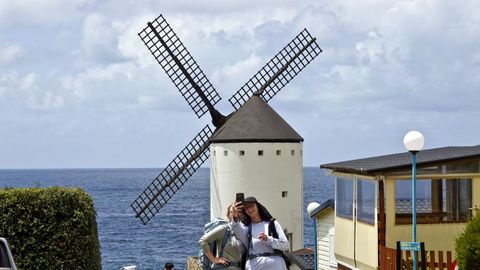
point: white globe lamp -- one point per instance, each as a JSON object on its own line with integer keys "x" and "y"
{"x": 413, "y": 141}
{"x": 312, "y": 206}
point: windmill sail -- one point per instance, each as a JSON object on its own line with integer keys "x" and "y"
{"x": 199, "y": 93}
{"x": 281, "y": 69}
{"x": 174, "y": 176}
{"x": 180, "y": 66}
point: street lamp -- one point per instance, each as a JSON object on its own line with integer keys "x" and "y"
{"x": 312, "y": 206}
{"x": 413, "y": 142}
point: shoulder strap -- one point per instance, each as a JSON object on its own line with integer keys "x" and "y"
{"x": 272, "y": 230}
{"x": 249, "y": 238}
{"x": 226, "y": 237}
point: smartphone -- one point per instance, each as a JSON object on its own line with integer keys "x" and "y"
{"x": 239, "y": 197}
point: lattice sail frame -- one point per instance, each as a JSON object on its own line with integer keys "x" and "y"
{"x": 161, "y": 47}
{"x": 297, "y": 54}
{"x": 174, "y": 176}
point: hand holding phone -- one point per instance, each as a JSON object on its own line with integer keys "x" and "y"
{"x": 239, "y": 197}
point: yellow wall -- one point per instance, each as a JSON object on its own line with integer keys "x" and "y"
{"x": 367, "y": 245}
{"x": 435, "y": 236}
{"x": 344, "y": 240}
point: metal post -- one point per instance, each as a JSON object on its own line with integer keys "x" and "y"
{"x": 315, "y": 251}
{"x": 414, "y": 205}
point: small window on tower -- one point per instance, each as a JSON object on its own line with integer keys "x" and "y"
{"x": 260, "y": 152}
{"x": 279, "y": 152}
{"x": 301, "y": 152}
{"x": 241, "y": 153}
{"x": 292, "y": 152}
{"x": 284, "y": 194}
{"x": 214, "y": 152}
{"x": 225, "y": 153}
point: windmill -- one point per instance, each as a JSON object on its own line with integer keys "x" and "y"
{"x": 250, "y": 108}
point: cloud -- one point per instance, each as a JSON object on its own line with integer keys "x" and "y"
{"x": 100, "y": 39}
{"x": 18, "y": 91}
{"x": 26, "y": 12}
{"x": 10, "y": 53}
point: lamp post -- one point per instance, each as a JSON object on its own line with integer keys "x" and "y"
{"x": 413, "y": 142}
{"x": 312, "y": 206}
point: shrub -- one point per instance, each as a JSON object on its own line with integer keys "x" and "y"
{"x": 50, "y": 228}
{"x": 467, "y": 245}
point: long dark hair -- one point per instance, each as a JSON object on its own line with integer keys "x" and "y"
{"x": 262, "y": 211}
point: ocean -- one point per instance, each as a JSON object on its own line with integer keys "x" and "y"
{"x": 173, "y": 233}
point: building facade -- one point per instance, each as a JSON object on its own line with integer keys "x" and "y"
{"x": 373, "y": 206}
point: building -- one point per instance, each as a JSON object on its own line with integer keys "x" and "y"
{"x": 324, "y": 216}
{"x": 373, "y": 202}
{"x": 256, "y": 152}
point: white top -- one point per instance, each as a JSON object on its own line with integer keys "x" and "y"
{"x": 258, "y": 246}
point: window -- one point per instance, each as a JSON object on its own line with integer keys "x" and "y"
{"x": 260, "y": 152}
{"x": 344, "y": 202}
{"x": 241, "y": 153}
{"x": 292, "y": 152}
{"x": 438, "y": 201}
{"x": 279, "y": 152}
{"x": 284, "y": 194}
{"x": 225, "y": 153}
{"x": 366, "y": 201}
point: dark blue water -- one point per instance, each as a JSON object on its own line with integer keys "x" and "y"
{"x": 172, "y": 234}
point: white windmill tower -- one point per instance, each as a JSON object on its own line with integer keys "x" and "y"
{"x": 254, "y": 150}
{"x": 257, "y": 153}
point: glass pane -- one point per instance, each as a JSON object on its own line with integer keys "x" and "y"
{"x": 438, "y": 200}
{"x": 344, "y": 203}
{"x": 366, "y": 201}
{"x": 463, "y": 167}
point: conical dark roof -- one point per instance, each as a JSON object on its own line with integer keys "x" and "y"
{"x": 256, "y": 121}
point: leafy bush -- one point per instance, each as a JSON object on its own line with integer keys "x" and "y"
{"x": 50, "y": 228}
{"x": 467, "y": 245}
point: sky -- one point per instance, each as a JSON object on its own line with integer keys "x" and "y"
{"x": 78, "y": 88}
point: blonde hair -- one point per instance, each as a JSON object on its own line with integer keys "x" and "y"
{"x": 229, "y": 210}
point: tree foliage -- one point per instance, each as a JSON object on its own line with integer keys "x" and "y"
{"x": 467, "y": 245}
{"x": 50, "y": 228}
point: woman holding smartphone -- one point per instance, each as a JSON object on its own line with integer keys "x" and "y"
{"x": 263, "y": 250}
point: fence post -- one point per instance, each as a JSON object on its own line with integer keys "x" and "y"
{"x": 423, "y": 263}
{"x": 449, "y": 259}
{"x": 440, "y": 260}
{"x": 399, "y": 256}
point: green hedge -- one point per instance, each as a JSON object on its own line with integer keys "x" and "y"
{"x": 50, "y": 228}
{"x": 467, "y": 245}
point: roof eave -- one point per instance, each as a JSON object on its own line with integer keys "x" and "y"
{"x": 371, "y": 172}
{"x": 257, "y": 140}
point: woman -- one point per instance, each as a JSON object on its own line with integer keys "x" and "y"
{"x": 261, "y": 254}
{"x": 233, "y": 250}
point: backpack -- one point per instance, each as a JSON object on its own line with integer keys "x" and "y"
{"x": 272, "y": 231}
{"x": 204, "y": 262}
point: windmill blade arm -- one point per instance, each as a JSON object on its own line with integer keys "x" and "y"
{"x": 179, "y": 65}
{"x": 173, "y": 177}
{"x": 280, "y": 70}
